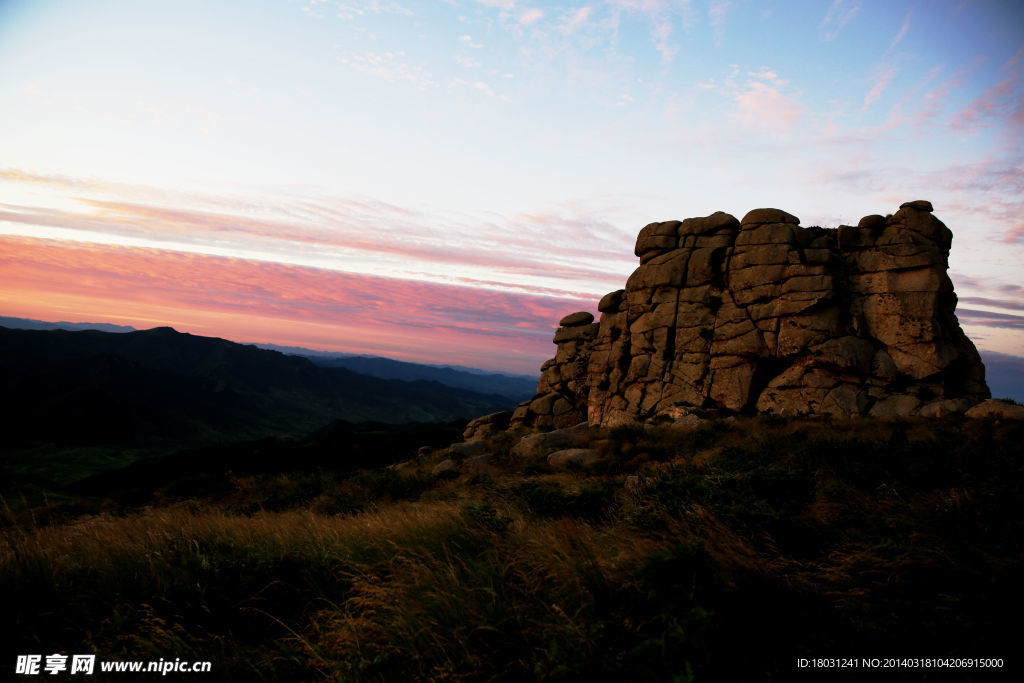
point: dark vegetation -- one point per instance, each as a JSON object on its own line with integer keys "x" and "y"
{"x": 162, "y": 388}
{"x": 720, "y": 554}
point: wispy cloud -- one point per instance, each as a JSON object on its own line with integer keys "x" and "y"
{"x": 882, "y": 78}
{"x": 390, "y": 66}
{"x": 497, "y": 4}
{"x": 718, "y": 14}
{"x": 1001, "y": 103}
{"x": 662, "y": 34}
{"x": 839, "y": 14}
{"x": 350, "y": 9}
{"x": 479, "y": 86}
{"x": 467, "y": 62}
{"x": 762, "y": 105}
{"x": 767, "y": 74}
{"x": 902, "y": 32}
{"x": 575, "y": 19}
{"x": 531, "y": 16}
{"x": 1006, "y": 321}
{"x": 661, "y": 17}
{"x": 342, "y": 233}
{"x": 1015, "y": 233}
{"x": 1012, "y": 304}
{"x": 257, "y": 301}
{"x": 936, "y": 99}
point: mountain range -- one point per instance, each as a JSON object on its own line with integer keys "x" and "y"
{"x": 134, "y": 388}
{"x": 516, "y": 387}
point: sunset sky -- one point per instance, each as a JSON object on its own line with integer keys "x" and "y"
{"x": 441, "y": 181}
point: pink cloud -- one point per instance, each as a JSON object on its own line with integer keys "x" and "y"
{"x": 882, "y": 79}
{"x": 839, "y": 15}
{"x": 1002, "y": 103}
{"x": 1014, "y": 304}
{"x": 291, "y": 305}
{"x": 1004, "y": 321}
{"x": 936, "y": 98}
{"x": 576, "y": 19}
{"x": 718, "y": 13}
{"x": 998, "y": 103}
{"x": 765, "y": 107}
{"x": 1015, "y": 234}
{"x": 354, "y": 226}
{"x": 902, "y": 32}
{"x": 531, "y": 16}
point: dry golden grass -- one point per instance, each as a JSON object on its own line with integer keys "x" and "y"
{"x": 777, "y": 538}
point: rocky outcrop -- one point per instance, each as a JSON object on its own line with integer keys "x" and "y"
{"x": 763, "y": 315}
{"x": 483, "y": 427}
{"x": 562, "y": 390}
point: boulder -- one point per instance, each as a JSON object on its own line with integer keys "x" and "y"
{"x": 919, "y": 204}
{"x": 479, "y": 464}
{"x": 872, "y": 222}
{"x": 574, "y": 457}
{"x": 610, "y": 301}
{"x": 758, "y": 216}
{"x": 483, "y": 427}
{"x": 997, "y": 409}
{"x": 574, "y": 319}
{"x": 537, "y": 445}
{"x": 468, "y": 449}
{"x": 896, "y": 406}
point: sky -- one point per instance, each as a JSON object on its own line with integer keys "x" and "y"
{"x": 442, "y": 181}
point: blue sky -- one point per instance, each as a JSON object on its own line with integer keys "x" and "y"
{"x": 500, "y": 147}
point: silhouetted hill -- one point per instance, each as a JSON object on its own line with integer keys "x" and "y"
{"x": 29, "y": 324}
{"x": 93, "y": 387}
{"x": 516, "y": 387}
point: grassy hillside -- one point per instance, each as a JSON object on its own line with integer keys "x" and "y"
{"x": 721, "y": 554}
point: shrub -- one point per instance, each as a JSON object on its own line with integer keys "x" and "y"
{"x": 548, "y": 499}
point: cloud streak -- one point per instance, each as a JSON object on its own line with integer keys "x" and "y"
{"x": 902, "y": 32}
{"x": 883, "y": 78}
{"x": 839, "y": 14}
{"x": 354, "y": 235}
{"x": 264, "y": 302}
{"x": 980, "y": 318}
{"x": 1002, "y": 103}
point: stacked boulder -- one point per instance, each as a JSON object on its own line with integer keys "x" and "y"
{"x": 561, "y": 399}
{"x": 763, "y": 315}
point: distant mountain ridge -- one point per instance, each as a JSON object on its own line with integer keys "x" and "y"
{"x": 515, "y": 387}
{"x": 29, "y": 324}
{"x": 77, "y": 387}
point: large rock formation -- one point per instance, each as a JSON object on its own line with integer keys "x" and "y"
{"x": 762, "y": 315}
